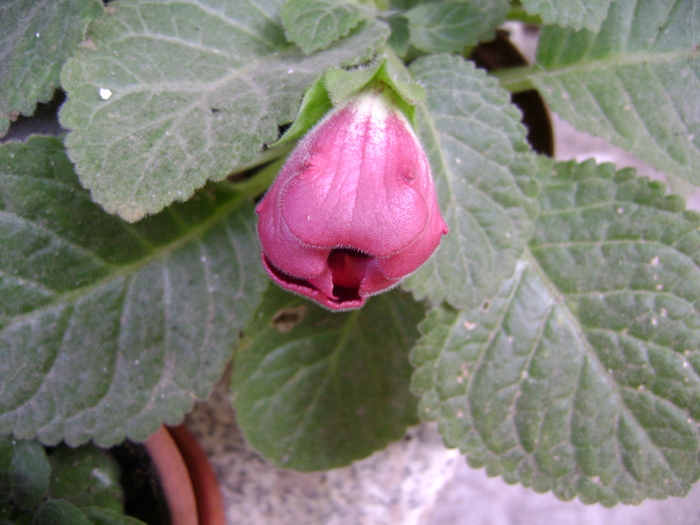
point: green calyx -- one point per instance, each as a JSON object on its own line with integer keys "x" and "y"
{"x": 336, "y": 86}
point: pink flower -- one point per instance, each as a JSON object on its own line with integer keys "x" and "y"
{"x": 354, "y": 209}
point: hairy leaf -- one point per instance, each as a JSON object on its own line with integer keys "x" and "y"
{"x": 582, "y": 375}
{"x": 59, "y": 512}
{"x": 445, "y": 26}
{"x": 636, "y": 83}
{"x": 482, "y": 165}
{"x": 578, "y": 14}
{"x": 315, "y": 24}
{"x": 174, "y": 93}
{"x": 496, "y": 12}
{"x": 86, "y": 476}
{"x": 100, "y": 516}
{"x": 36, "y": 38}
{"x": 400, "y": 33}
{"x": 108, "y": 329}
{"x": 315, "y": 389}
{"x": 24, "y": 473}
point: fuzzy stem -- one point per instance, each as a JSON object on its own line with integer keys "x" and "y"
{"x": 516, "y": 79}
{"x": 258, "y": 183}
{"x": 517, "y": 13}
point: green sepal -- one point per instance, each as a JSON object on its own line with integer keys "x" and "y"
{"x": 315, "y": 103}
{"x": 336, "y": 86}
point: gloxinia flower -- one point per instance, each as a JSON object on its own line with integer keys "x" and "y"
{"x": 354, "y": 209}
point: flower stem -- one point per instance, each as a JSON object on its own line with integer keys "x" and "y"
{"x": 517, "y": 13}
{"x": 265, "y": 157}
{"x": 260, "y": 181}
{"x": 516, "y": 79}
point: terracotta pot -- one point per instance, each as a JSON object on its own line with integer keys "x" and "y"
{"x": 186, "y": 477}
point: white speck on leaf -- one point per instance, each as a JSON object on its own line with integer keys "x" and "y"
{"x": 105, "y": 93}
{"x": 655, "y": 261}
{"x": 102, "y": 477}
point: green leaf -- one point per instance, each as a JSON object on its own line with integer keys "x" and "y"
{"x": 400, "y": 33}
{"x": 99, "y": 516}
{"x": 582, "y": 375}
{"x": 636, "y": 83}
{"x": 315, "y": 24}
{"x": 315, "y": 389}
{"x": 496, "y": 12}
{"x": 59, "y": 512}
{"x": 108, "y": 329}
{"x": 36, "y": 38}
{"x": 482, "y": 167}
{"x": 86, "y": 476}
{"x": 177, "y": 93}
{"x": 445, "y": 26}
{"x": 24, "y": 473}
{"x": 578, "y": 14}
{"x": 403, "y": 5}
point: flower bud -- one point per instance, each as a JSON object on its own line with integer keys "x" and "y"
{"x": 354, "y": 209}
